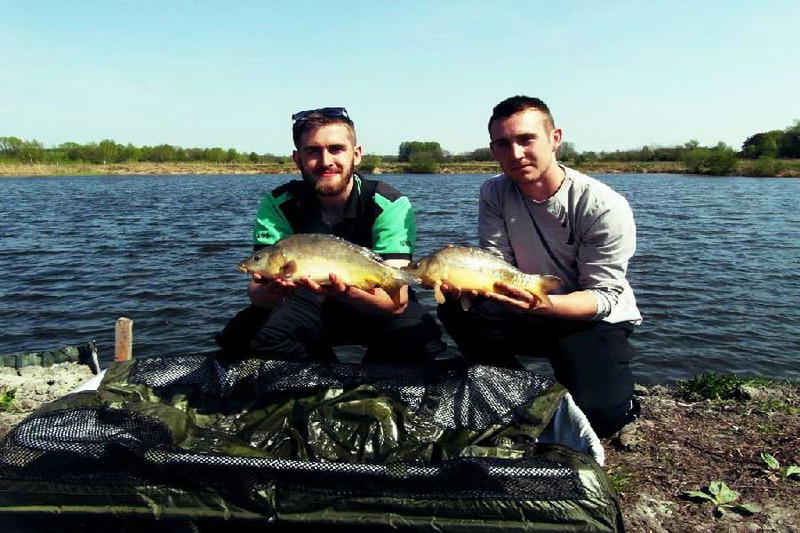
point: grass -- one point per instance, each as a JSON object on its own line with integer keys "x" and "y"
{"x": 712, "y": 387}
{"x": 620, "y": 479}
{"x": 778, "y": 406}
{"x": 7, "y": 397}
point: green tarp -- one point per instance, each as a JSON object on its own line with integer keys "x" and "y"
{"x": 194, "y": 440}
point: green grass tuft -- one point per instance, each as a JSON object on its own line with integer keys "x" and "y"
{"x": 7, "y": 395}
{"x": 621, "y": 480}
{"x": 712, "y": 387}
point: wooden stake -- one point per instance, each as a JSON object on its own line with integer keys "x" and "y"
{"x": 123, "y": 343}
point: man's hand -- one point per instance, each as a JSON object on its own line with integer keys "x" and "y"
{"x": 374, "y": 300}
{"x": 269, "y": 292}
{"x": 455, "y": 293}
{"x": 578, "y": 305}
{"x": 518, "y": 299}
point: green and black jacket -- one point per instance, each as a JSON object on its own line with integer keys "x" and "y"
{"x": 376, "y": 216}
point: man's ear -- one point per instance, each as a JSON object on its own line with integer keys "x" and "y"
{"x": 296, "y": 159}
{"x": 555, "y": 135}
{"x": 357, "y": 155}
{"x": 491, "y": 149}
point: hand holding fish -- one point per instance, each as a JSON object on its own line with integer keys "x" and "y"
{"x": 371, "y": 300}
{"x": 456, "y": 293}
{"x": 518, "y": 299}
{"x": 268, "y": 292}
{"x": 465, "y": 272}
{"x": 330, "y": 266}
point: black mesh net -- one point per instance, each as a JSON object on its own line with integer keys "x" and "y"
{"x": 101, "y": 445}
{"x": 349, "y": 431}
{"x": 473, "y": 397}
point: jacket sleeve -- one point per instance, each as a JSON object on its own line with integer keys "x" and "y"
{"x": 271, "y": 224}
{"x": 394, "y": 232}
{"x": 608, "y": 245}
{"x": 492, "y": 231}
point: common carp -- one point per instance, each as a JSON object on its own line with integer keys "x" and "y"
{"x": 316, "y": 256}
{"x": 468, "y": 268}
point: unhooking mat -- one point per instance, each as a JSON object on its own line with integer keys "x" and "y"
{"x": 261, "y": 443}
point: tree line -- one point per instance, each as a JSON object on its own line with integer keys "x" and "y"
{"x": 424, "y": 156}
{"x": 108, "y": 151}
{"x": 721, "y": 159}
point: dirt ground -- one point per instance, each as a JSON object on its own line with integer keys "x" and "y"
{"x": 678, "y": 445}
{"x": 35, "y": 386}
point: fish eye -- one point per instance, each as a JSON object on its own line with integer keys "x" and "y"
{"x": 256, "y": 258}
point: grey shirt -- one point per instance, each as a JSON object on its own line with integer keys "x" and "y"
{"x": 584, "y": 233}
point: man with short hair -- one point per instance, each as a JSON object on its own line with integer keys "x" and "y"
{"x": 545, "y": 218}
{"x": 302, "y": 320}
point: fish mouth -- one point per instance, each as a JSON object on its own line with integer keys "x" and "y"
{"x": 242, "y": 267}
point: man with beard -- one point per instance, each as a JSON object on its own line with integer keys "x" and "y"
{"x": 545, "y": 218}
{"x": 302, "y": 320}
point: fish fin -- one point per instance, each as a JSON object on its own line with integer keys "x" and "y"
{"x": 288, "y": 268}
{"x": 466, "y": 303}
{"x": 550, "y": 283}
{"x": 437, "y": 292}
{"x": 544, "y": 285}
{"x": 543, "y": 297}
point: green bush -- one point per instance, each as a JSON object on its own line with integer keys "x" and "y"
{"x": 766, "y": 166}
{"x": 423, "y": 163}
{"x": 718, "y": 161}
{"x": 369, "y": 163}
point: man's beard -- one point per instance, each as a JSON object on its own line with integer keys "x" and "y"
{"x": 329, "y": 187}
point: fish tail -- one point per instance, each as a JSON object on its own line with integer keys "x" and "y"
{"x": 405, "y": 276}
{"x": 398, "y": 279}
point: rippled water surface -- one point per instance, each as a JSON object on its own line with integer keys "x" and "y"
{"x": 716, "y": 272}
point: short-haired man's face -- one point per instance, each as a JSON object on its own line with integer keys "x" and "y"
{"x": 327, "y": 158}
{"x": 525, "y": 146}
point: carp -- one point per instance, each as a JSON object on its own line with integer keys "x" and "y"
{"x": 468, "y": 268}
{"x": 316, "y": 256}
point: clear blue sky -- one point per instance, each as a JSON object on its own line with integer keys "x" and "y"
{"x": 616, "y": 75}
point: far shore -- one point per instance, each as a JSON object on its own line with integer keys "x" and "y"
{"x": 790, "y": 168}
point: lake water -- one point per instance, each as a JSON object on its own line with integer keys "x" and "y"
{"x": 715, "y": 274}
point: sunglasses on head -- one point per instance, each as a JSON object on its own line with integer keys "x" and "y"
{"x": 324, "y": 111}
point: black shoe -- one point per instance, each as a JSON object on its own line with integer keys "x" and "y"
{"x": 87, "y": 355}
{"x": 630, "y": 416}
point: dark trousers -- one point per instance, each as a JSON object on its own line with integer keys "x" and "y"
{"x": 303, "y": 328}
{"x": 591, "y": 359}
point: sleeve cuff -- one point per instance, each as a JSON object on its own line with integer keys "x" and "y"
{"x": 603, "y": 305}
